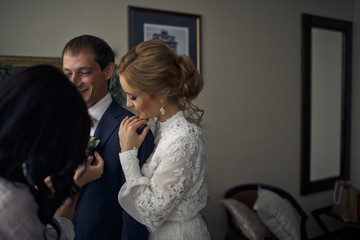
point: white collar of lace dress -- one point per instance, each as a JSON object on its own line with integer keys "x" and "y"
{"x": 170, "y": 120}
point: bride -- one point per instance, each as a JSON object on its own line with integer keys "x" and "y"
{"x": 169, "y": 191}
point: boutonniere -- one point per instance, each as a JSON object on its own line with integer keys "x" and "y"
{"x": 92, "y": 144}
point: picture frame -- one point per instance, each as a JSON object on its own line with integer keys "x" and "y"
{"x": 181, "y": 31}
{"x": 19, "y": 61}
{"x": 11, "y": 64}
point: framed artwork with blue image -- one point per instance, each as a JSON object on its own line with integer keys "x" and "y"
{"x": 181, "y": 31}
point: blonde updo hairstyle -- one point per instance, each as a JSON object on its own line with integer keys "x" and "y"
{"x": 155, "y": 68}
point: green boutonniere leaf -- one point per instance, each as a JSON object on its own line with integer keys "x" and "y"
{"x": 92, "y": 144}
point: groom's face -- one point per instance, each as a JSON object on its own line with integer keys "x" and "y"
{"x": 85, "y": 73}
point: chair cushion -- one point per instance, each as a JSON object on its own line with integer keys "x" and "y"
{"x": 246, "y": 220}
{"x": 278, "y": 215}
{"x": 246, "y": 196}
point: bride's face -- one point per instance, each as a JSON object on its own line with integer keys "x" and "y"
{"x": 145, "y": 105}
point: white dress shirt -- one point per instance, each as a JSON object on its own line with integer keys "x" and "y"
{"x": 98, "y": 110}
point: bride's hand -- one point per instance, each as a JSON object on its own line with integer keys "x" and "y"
{"x": 128, "y": 137}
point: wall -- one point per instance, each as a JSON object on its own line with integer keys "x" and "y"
{"x": 251, "y": 58}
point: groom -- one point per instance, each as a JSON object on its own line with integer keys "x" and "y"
{"x": 88, "y": 62}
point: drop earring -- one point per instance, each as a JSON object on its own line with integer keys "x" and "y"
{"x": 162, "y": 110}
{"x": 162, "y": 104}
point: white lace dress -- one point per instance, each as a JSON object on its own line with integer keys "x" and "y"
{"x": 170, "y": 190}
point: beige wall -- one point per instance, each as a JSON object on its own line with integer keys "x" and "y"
{"x": 251, "y": 58}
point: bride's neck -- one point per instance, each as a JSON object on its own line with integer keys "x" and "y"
{"x": 169, "y": 111}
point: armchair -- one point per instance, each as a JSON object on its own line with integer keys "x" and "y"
{"x": 248, "y": 194}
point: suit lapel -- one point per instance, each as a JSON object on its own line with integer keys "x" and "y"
{"x": 108, "y": 123}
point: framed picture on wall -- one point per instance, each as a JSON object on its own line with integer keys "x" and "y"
{"x": 11, "y": 64}
{"x": 180, "y": 31}
{"x": 19, "y": 61}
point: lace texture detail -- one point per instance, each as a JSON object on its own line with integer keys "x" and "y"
{"x": 171, "y": 190}
{"x": 131, "y": 169}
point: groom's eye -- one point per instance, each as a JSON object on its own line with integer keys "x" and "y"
{"x": 67, "y": 73}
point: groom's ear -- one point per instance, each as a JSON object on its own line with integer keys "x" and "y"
{"x": 109, "y": 70}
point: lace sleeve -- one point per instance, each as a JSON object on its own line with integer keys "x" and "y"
{"x": 151, "y": 200}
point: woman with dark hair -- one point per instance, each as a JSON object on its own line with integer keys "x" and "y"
{"x": 170, "y": 190}
{"x": 44, "y": 131}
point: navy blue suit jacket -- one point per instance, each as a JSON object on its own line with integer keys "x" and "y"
{"x": 98, "y": 214}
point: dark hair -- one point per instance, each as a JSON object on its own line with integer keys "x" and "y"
{"x": 155, "y": 68}
{"x": 44, "y": 129}
{"x": 103, "y": 53}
